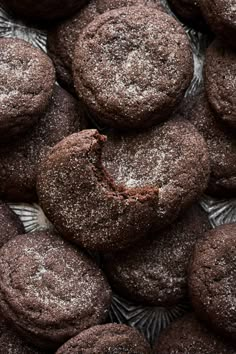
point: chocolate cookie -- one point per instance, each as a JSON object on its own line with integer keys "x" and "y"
{"x": 110, "y": 338}
{"x": 49, "y": 290}
{"x": 154, "y": 272}
{"x": 26, "y": 79}
{"x": 44, "y": 10}
{"x": 19, "y": 159}
{"x": 11, "y": 343}
{"x": 10, "y": 224}
{"x": 147, "y": 182}
{"x": 220, "y": 81}
{"x": 81, "y": 200}
{"x": 172, "y": 156}
{"x": 221, "y": 18}
{"x": 62, "y": 38}
{"x": 188, "y": 336}
{"x": 221, "y": 145}
{"x": 132, "y": 66}
{"x": 189, "y": 12}
{"x": 212, "y": 278}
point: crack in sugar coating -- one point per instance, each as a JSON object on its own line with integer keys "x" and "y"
{"x": 212, "y": 278}
{"x": 132, "y": 65}
{"x": 172, "y": 156}
{"x": 220, "y": 81}
{"x": 80, "y": 199}
{"x": 109, "y": 338}
{"x": 49, "y": 290}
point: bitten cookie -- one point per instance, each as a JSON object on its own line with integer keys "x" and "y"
{"x": 188, "y": 336}
{"x": 26, "y": 79}
{"x": 221, "y": 18}
{"x": 81, "y": 200}
{"x": 212, "y": 278}
{"x": 49, "y": 290}
{"x": 172, "y": 156}
{"x": 220, "y": 81}
{"x": 10, "y": 224}
{"x": 132, "y": 66}
{"x": 154, "y": 272}
{"x": 19, "y": 159}
{"x": 221, "y": 144}
{"x": 189, "y": 12}
{"x": 62, "y": 38}
{"x": 44, "y": 10}
{"x": 110, "y": 338}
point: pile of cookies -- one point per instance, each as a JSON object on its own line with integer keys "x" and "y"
{"x": 101, "y": 132}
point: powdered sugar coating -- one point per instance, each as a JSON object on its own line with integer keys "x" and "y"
{"x": 212, "y": 278}
{"x": 221, "y": 145}
{"x": 10, "y": 224}
{"x": 63, "y": 37}
{"x": 82, "y": 201}
{"x": 110, "y": 338}
{"x": 49, "y": 290}
{"x": 26, "y": 85}
{"x": 172, "y": 156}
{"x": 19, "y": 159}
{"x": 220, "y": 81}
{"x": 132, "y": 66}
{"x": 188, "y": 336}
{"x": 154, "y": 272}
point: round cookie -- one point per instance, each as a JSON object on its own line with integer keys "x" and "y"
{"x": 147, "y": 181}
{"x": 84, "y": 204}
{"x": 110, "y": 338}
{"x": 212, "y": 277}
{"x": 10, "y": 224}
{"x": 220, "y": 81}
{"x": 189, "y": 11}
{"x": 221, "y": 146}
{"x": 44, "y": 10}
{"x": 49, "y": 290}
{"x": 188, "y": 336}
{"x": 154, "y": 272}
{"x": 132, "y": 66}
{"x": 221, "y": 18}
{"x": 11, "y": 343}
{"x": 172, "y": 156}
{"x": 62, "y": 38}
{"x": 19, "y": 160}
{"x": 27, "y": 78}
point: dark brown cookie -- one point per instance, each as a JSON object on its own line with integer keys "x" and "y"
{"x": 10, "y": 224}
{"x": 132, "y": 66}
{"x": 110, "y": 338}
{"x": 212, "y": 278}
{"x": 44, "y": 10}
{"x": 189, "y": 11}
{"x": 26, "y": 79}
{"x": 154, "y": 272}
{"x": 220, "y": 81}
{"x": 82, "y": 201}
{"x": 19, "y": 159}
{"x": 221, "y": 146}
{"x": 221, "y": 18}
{"x": 11, "y": 343}
{"x": 49, "y": 290}
{"x": 188, "y": 336}
{"x": 62, "y": 38}
{"x": 172, "y": 156}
